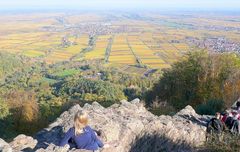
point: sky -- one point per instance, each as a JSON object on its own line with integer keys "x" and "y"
{"x": 120, "y": 4}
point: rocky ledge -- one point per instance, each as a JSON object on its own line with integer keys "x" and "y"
{"x": 127, "y": 126}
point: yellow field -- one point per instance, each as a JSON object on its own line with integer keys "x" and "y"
{"x": 66, "y": 53}
{"x": 33, "y": 53}
{"x": 146, "y": 54}
{"x": 120, "y": 52}
{"x": 100, "y": 48}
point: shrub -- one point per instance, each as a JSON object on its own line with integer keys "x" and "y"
{"x": 211, "y": 107}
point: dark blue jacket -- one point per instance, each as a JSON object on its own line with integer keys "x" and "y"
{"x": 87, "y": 140}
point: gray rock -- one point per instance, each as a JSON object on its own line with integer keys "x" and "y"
{"x": 135, "y": 101}
{"x": 23, "y": 142}
{"x": 4, "y": 146}
{"x": 125, "y": 127}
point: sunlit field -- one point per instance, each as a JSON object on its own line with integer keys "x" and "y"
{"x": 99, "y": 49}
{"x": 120, "y": 51}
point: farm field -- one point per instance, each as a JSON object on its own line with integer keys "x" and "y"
{"x": 149, "y": 41}
{"x": 99, "y": 49}
{"x": 120, "y": 51}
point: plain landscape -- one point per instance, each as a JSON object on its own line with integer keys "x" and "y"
{"x": 151, "y": 40}
{"x": 51, "y": 61}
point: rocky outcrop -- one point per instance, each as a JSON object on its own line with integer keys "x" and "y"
{"x": 5, "y": 147}
{"x": 127, "y": 126}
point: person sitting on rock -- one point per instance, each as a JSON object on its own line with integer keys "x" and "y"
{"x": 231, "y": 119}
{"x": 224, "y": 116}
{"x": 81, "y": 134}
{"x": 215, "y": 126}
{"x": 233, "y": 122}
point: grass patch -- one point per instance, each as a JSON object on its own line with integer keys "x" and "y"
{"x": 226, "y": 143}
{"x": 33, "y": 53}
{"x": 66, "y": 73}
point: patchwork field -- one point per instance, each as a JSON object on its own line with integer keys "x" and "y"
{"x": 100, "y": 47}
{"x": 120, "y": 51}
{"x": 136, "y": 44}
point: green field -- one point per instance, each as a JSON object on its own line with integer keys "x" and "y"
{"x": 65, "y": 73}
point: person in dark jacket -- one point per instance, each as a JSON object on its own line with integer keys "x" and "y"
{"x": 215, "y": 127}
{"x": 83, "y": 135}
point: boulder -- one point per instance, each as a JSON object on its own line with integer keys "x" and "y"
{"x": 4, "y": 146}
{"x": 23, "y": 142}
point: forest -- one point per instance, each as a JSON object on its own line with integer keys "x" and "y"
{"x": 210, "y": 82}
{"x": 33, "y": 94}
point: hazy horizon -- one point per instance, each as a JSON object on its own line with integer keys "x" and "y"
{"x": 218, "y": 5}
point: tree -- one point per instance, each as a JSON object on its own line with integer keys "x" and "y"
{"x": 91, "y": 90}
{"x": 24, "y": 109}
{"x": 199, "y": 78}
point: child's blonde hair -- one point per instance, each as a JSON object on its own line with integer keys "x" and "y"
{"x": 80, "y": 121}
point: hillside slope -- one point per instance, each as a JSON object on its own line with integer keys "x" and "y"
{"x": 9, "y": 63}
{"x": 126, "y": 127}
